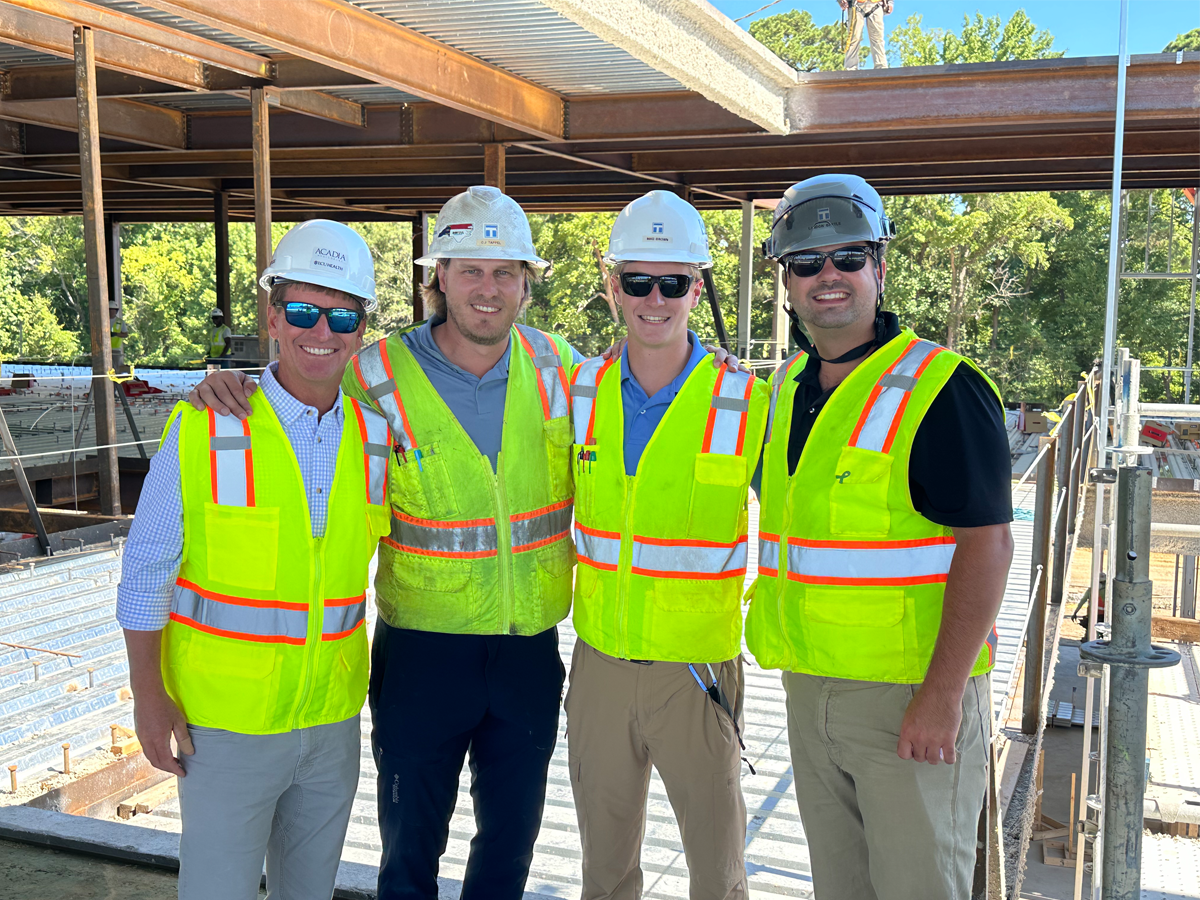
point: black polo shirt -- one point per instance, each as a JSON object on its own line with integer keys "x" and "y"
{"x": 960, "y": 470}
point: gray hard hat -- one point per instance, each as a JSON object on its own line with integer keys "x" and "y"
{"x": 825, "y": 210}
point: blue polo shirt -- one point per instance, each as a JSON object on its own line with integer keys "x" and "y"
{"x": 642, "y": 412}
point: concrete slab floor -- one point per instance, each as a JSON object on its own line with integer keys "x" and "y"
{"x": 29, "y": 872}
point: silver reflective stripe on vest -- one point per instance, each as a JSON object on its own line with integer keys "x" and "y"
{"x": 266, "y": 621}
{"x": 550, "y": 370}
{"x": 229, "y": 446}
{"x": 727, "y": 419}
{"x": 376, "y": 451}
{"x": 684, "y": 559}
{"x": 882, "y": 563}
{"x": 452, "y": 540}
{"x": 894, "y": 387}
{"x": 768, "y": 553}
{"x": 541, "y": 527}
{"x": 583, "y": 396}
{"x": 342, "y": 616}
{"x": 777, "y": 381}
{"x": 382, "y": 389}
{"x": 599, "y": 549}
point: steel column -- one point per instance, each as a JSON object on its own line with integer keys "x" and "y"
{"x": 745, "y": 279}
{"x": 261, "y": 140}
{"x": 494, "y": 165}
{"x": 221, "y": 253}
{"x": 1062, "y": 494}
{"x": 420, "y": 246}
{"x": 1035, "y": 635}
{"x": 97, "y": 271}
{"x": 780, "y": 321}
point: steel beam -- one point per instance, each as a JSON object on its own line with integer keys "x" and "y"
{"x": 262, "y": 210}
{"x": 97, "y": 275}
{"x": 343, "y": 36}
{"x": 125, "y": 120}
{"x": 221, "y": 252}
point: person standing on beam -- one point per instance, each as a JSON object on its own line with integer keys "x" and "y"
{"x": 243, "y": 592}
{"x": 884, "y": 549}
{"x": 664, "y": 448}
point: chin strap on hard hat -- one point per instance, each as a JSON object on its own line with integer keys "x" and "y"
{"x": 858, "y": 352}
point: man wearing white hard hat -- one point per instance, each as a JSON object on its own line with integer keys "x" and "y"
{"x": 884, "y": 549}
{"x": 476, "y": 571}
{"x": 219, "y": 340}
{"x": 664, "y": 448}
{"x": 243, "y": 592}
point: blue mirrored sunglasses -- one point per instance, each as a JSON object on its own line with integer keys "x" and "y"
{"x": 306, "y": 315}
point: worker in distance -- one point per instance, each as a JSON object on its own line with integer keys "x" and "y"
{"x": 243, "y": 592}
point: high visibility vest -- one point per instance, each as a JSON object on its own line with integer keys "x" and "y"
{"x": 662, "y": 553}
{"x": 472, "y": 550}
{"x": 118, "y": 332}
{"x": 267, "y": 630}
{"x": 850, "y": 576}
{"x": 216, "y": 339}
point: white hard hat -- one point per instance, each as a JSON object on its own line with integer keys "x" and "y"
{"x": 827, "y": 209}
{"x": 217, "y": 312}
{"x": 659, "y": 227}
{"x": 327, "y": 254}
{"x": 482, "y": 223}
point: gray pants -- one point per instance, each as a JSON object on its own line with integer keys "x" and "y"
{"x": 880, "y": 827}
{"x": 870, "y": 14}
{"x": 283, "y": 796}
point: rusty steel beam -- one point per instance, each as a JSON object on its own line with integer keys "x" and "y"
{"x": 262, "y": 210}
{"x": 494, "y": 165}
{"x": 317, "y": 104}
{"x": 125, "y": 120}
{"x": 343, "y": 36}
{"x": 97, "y": 272}
{"x": 123, "y": 30}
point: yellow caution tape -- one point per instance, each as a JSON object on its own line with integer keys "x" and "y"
{"x": 121, "y": 377}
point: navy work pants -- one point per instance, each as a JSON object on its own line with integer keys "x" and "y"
{"x": 435, "y": 698}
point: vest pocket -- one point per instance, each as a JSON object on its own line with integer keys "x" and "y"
{"x": 719, "y": 483}
{"x": 558, "y": 455}
{"x": 421, "y": 484}
{"x": 431, "y": 573}
{"x": 242, "y": 545}
{"x": 858, "y": 498}
{"x": 584, "y": 485}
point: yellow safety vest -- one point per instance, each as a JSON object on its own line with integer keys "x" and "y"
{"x": 267, "y": 630}
{"x": 662, "y": 553}
{"x": 216, "y": 339}
{"x": 119, "y": 331}
{"x": 851, "y": 576}
{"x": 472, "y": 550}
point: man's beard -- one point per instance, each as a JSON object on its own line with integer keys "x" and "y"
{"x": 475, "y": 337}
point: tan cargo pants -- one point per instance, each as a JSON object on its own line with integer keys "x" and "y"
{"x": 623, "y": 717}
{"x": 872, "y": 15}
{"x": 880, "y": 827}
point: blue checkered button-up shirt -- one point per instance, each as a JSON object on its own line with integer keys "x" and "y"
{"x": 155, "y": 546}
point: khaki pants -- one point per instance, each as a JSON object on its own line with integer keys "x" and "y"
{"x": 872, "y": 14}
{"x": 880, "y": 827}
{"x": 623, "y": 717}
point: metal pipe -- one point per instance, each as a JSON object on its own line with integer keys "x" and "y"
{"x": 1035, "y": 637}
{"x": 1171, "y": 410}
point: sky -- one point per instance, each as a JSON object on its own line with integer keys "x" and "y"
{"x": 1080, "y": 27}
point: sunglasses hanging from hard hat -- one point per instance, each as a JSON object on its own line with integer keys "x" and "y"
{"x": 808, "y": 263}
{"x": 306, "y": 315}
{"x": 637, "y": 284}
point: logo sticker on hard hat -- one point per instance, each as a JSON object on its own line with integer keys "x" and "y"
{"x": 328, "y": 258}
{"x": 657, "y": 227}
{"x": 491, "y": 236}
{"x": 457, "y": 232}
{"x": 822, "y": 215}
{"x": 657, "y": 234}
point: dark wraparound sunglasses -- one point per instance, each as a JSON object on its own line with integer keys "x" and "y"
{"x": 306, "y": 315}
{"x": 808, "y": 263}
{"x": 637, "y": 284}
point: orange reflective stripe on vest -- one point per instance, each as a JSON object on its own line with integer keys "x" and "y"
{"x": 552, "y": 377}
{"x": 373, "y": 370}
{"x": 884, "y": 410}
{"x": 866, "y": 563}
{"x": 231, "y": 459}
{"x": 263, "y": 621}
{"x": 470, "y": 539}
{"x": 726, "y": 428}
{"x": 662, "y": 557}
{"x": 377, "y": 450}
{"x": 341, "y": 617}
{"x": 583, "y": 398}
{"x": 541, "y": 527}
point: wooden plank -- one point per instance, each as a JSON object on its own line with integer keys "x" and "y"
{"x": 343, "y": 36}
{"x": 149, "y": 799}
{"x": 97, "y": 270}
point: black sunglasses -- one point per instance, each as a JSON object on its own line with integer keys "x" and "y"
{"x": 306, "y": 315}
{"x": 808, "y": 263}
{"x": 638, "y": 284}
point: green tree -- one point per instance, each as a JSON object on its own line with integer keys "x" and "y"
{"x": 801, "y": 43}
{"x": 1186, "y": 41}
{"x": 982, "y": 40}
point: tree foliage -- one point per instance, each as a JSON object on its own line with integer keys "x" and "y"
{"x": 800, "y": 42}
{"x": 1183, "y": 42}
{"x": 982, "y": 40}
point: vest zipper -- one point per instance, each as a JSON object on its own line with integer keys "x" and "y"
{"x": 316, "y": 627}
{"x": 503, "y": 545}
{"x": 625, "y": 569}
